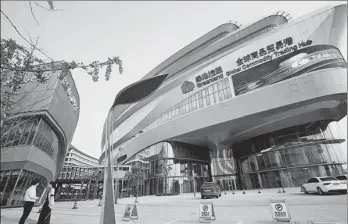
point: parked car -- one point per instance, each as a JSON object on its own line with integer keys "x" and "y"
{"x": 210, "y": 189}
{"x": 322, "y": 185}
{"x": 342, "y": 178}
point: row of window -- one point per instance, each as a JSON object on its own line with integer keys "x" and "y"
{"x": 14, "y": 183}
{"x": 288, "y": 177}
{"x": 32, "y": 130}
{"x": 210, "y": 95}
{"x": 297, "y": 156}
{"x": 81, "y": 157}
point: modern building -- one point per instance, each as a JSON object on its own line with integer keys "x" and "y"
{"x": 76, "y": 157}
{"x": 77, "y": 166}
{"x": 37, "y": 137}
{"x": 86, "y": 181}
{"x": 252, "y": 106}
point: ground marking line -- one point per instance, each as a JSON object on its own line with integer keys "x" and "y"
{"x": 170, "y": 222}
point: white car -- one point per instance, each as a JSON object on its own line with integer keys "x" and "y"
{"x": 342, "y": 178}
{"x": 323, "y": 185}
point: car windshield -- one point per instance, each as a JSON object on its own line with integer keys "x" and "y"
{"x": 341, "y": 177}
{"x": 207, "y": 185}
{"x": 327, "y": 178}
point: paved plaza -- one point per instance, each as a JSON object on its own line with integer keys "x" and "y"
{"x": 184, "y": 209}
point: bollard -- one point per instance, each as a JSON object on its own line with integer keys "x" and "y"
{"x": 75, "y": 205}
{"x": 259, "y": 191}
{"x": 279, "y": 190}
{"x": 100, "y": 202}
{"x": 243, "y": 191}
{"x": 232, "y": 191}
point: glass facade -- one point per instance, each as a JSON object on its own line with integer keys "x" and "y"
{"x": 32, "y": 131}
{"x": 26, "y": 131}
{"x": 291, "y": 156}
{"x": 169, "y": 168}
{"x": 215, "y": 93}
{"x": 222, "y": 162}
{"x": 14, "y": 183}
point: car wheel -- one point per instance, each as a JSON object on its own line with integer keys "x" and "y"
{"x": 304, "y": 190}
{"x": 320, "y": 191}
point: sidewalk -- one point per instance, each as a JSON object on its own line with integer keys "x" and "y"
{"x": 238, "y": 208}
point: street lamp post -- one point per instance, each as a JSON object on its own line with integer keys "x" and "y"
{"x": 117, "y": 172}
{"x": 131, "y": 94}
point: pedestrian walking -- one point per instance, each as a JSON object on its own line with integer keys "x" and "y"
{"x": 29, "y": 200}
{"x": 45, "y": 214}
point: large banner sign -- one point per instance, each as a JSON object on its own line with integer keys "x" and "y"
{"x": 267, "y": 53}
{"x": 254, "y": 58}
{"x": 298, "y": 62}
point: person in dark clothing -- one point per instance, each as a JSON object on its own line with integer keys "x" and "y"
{"x": 29, "y": 200}
{"x": 45, "y": 214}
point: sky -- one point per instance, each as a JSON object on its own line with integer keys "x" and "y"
{"x": 142, "y": 34}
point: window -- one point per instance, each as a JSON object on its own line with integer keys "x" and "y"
{"x": 327, "y": 179}
{"x": 341, "y": 178}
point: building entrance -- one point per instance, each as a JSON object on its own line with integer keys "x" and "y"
{"x": 226, "y": 183}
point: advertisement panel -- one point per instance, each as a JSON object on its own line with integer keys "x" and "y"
{"x": 293, "y": 64}
{"x": 269, "y": 61}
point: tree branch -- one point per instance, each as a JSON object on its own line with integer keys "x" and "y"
{"x": 47, "y": 8}
{"x": 19, "y": 33}
{"x": 32, "y": 13}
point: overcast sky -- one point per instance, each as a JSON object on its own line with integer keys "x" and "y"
{"x": 142, "y": 34}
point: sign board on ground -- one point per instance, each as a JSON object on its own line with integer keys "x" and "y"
{"x": 280, "y": 211}
{"x": 130, "y": 212}
{"x": 206, "y": 212}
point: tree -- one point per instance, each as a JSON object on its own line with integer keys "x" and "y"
{"x": 129, "y": 178}
{"x": 20, "y": 66}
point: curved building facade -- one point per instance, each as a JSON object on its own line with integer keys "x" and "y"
{"x": 246, "y": 106}
{"x": 76, "y": 157}
{"x": 35, "y": 144}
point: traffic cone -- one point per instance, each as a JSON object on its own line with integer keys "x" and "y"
{"x": 127, "y": 213}
{"x": 75, "y": 205}
{"x": 134, "y": 213}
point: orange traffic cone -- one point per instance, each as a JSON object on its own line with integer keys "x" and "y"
{"x": 127, "y": 213}
{"x": 75, "y": 205}
{"x": 134, "y": 214}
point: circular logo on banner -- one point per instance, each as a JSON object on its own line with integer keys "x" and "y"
{"x": 278, "y": 207}
{"x": 205, "y": 208}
